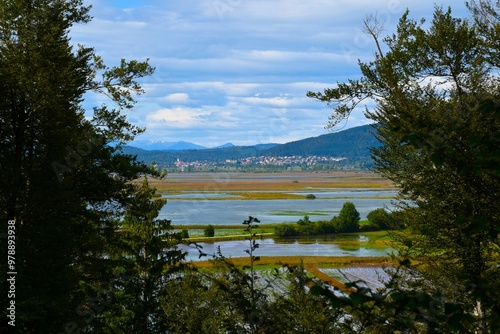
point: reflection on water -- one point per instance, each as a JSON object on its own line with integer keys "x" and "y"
{"x": 289, "y": 247}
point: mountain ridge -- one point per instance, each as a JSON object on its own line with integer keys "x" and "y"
{"x": 352, "y": 144}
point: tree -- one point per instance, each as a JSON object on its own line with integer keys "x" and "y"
{"x": 348, "y": 219}
{"x": 435, "y": 95}
{"x": 52, "y": 160}
{"x": 380, "y": 218}
{"x": 185, "y": 233}
{"x": 209, "y": 231}
{"x": 147, "y": 254}
{"x": 193, "y": 305}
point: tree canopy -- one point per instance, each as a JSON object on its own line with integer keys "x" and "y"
{"x": 436, "y": 97}
{"x": 62, "y": 183}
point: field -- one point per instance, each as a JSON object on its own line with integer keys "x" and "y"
{"x": 257, "y": 185}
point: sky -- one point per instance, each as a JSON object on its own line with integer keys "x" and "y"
{"x": 238, "y": 70}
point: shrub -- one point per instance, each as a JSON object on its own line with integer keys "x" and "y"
{"x": 286, "y": 230}
{"x": 311, "y": 196}
{"x": 185, "y": 233}
{"x": 209, "y": 231}
{"x": 368, "y": 228}
{"x": 325, "y": 227}
{"x": 384, "y": 220}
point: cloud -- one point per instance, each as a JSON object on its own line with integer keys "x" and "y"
{"x": 273, "y": 101}
{"x": 192, "y": 118}
{"x": 175, "y": 118}
{"x": 238, "y": 70}
{"x": 177, "y": 98}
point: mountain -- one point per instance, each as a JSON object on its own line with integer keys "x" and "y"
{"x": 224, "y": 145}
{"x": 166, "y": 146}
{"x": 352, "y": 144}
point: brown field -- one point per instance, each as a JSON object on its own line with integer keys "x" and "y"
{"x": 277, "y": 182}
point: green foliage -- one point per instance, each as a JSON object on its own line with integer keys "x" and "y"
{"x": 64, "y": 186}
{"x": 325, "y": 227}
{"x": 194, "y": 305}
{"x": 304, "y": 227}
{"x": 348, "y": 219}
{"x": 436, "y": 93}
{"x": 209, "y": 231}
{"x": 310, "y": 196}
{"x": 285, "y": 230}
{"x": 381, "y": 219}
{"x": 147, "y": 253}
{"x": 185, "y": 233}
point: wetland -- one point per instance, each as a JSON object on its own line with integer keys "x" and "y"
{"x": 224, "y": 200}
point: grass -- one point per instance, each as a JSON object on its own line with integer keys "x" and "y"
{"x": 267, "y": 195}
{"x": 302, "y": 213}
{"x": 247, "y": 182}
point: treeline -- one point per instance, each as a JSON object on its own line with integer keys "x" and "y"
{"x": 346, "y": 222}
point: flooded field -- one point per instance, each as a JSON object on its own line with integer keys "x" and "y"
{"x": 332, "y": 246}
{"x": 225, "y": 199}
{"x": 228, "y": 199}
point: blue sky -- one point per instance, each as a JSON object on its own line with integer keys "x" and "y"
{"x": 238, "y": 70}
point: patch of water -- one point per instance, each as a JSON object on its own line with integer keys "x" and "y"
{"x": 271, "y": 247}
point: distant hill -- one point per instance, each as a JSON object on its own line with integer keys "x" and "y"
{"x": 352, "y": 144}
{"x": 166, "y": 146}
{"x": 224, "y": 145}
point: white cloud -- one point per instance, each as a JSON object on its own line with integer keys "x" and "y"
{"x": 175, "y": 118}
{"x": 238, "y": 70}
{"x": 177, "y": 98}
{"x": 273, "y": 101}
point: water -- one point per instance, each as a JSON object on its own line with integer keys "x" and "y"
{"x": 294, "y": 247}
{"x": 204, "y": 211}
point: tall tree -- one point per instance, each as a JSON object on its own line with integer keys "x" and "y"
{"x": 435, "y": 94}
{"x": 62, "y": 184}
{"x": 348, "y": 219}
{"x": 147, "y": 254}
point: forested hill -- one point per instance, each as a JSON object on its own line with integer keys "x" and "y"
{"x": 352, "y": 144}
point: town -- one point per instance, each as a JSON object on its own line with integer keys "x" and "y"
{"x": 258, "y": 161}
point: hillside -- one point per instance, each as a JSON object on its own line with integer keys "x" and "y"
{"x": 352, "y": 144}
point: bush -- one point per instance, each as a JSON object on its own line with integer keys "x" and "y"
{"x": 311, "y": 196}
{"x": 325, "y": 227}
{"x": 368, "y": 228}
{"x": 285, "y": 230}
{"x": 382, "y": 219}
{"x": 185, "y": 233}
{"x": 209, "y": 231}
